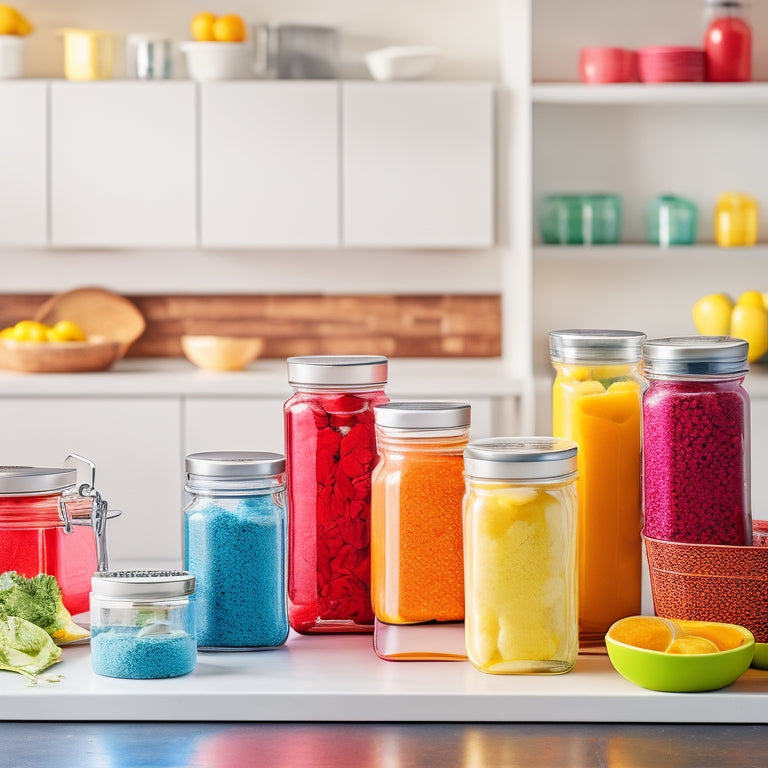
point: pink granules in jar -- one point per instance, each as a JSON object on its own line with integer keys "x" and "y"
{"x": 696, "y": 454}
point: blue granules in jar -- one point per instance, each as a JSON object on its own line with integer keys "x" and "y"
{"x": 234, "y": 544}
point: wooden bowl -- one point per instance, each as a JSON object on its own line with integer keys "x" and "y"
{"x": 100, "y": 313}
{"x": 221, "y": 353}
{"x": 96, "y": 354}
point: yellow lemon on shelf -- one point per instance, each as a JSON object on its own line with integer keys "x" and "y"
{"x": 750, "y": 322}
{"x": 66, "y": 330}
{"x": 12, "y": 22}
{"x": 751, "y": 298}
{"x": 712, "y": 314}
{"x": 201, "y": 26}
{"x": 30, "y": 330}
{"x": 23, "y": 27}
{"x": 229, "y": 29}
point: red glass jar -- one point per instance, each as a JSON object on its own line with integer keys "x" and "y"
{"x": 330, "y": 448}
{"x": 50, "y": 525}
{"x": 727, "y": 43}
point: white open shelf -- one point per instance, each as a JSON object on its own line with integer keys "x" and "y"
{"x": 678, "y": 94}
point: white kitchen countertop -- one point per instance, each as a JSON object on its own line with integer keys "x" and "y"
{"x": 152, "y": 377}
{"x": 339, "y": 678}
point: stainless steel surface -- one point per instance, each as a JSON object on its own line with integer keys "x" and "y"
{"x": 143, "y": 585}
{"x": 423, "y": 415}
{"x": 204, "y": 745}
{"x": 577, "y": 345}
{"x": 296, "y": 51}
{"x": 521, "y": 458}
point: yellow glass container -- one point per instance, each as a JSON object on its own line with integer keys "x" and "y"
{"x": 520, "y": 509}
{"x": 735, "y": 220}
{"x": 89, "y": 54}
{"x": 597, "y": 402}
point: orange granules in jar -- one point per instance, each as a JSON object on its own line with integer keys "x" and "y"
{"x": 417, "y": 564}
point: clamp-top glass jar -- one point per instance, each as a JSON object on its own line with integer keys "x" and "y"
{"x": 520, "y": 555}
{"x": 597, "y": 402}
{"x": 234, "y": 545}
{"x": 330, "y": 447}
{"x": 50, "y": 524}
{"x": 417, "y": 561}
{"x": 696, "y": 441}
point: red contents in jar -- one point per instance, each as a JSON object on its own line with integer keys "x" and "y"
{"x": 728, "y": 50}
{"x": 331, "y": 450}
{"x": 694, "y": 464}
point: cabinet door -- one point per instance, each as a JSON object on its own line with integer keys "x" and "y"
{"x": 269, "y": 164}
{"x": 417, "y": 164}
{"x": 233, "y": 424}
{"x": 123, "y": 164}
{"x": 23, "y": 164}
{"x": 135, "y": 446}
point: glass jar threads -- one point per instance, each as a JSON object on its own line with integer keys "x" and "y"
{"x": 696, "y": 441}
{"x": 235, "y": 546}
{"x": 142, "y": 624}
{"x": 330, "y": 446}
{"x": 417, "y": 562}
{"x": 597, "y": 402}
{"x": 520, "y": 555}
{"x": 50, "y": 524}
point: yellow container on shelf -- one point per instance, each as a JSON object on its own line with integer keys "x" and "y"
{"x": 89, "y": 54}
{"x": 735, "y": 220}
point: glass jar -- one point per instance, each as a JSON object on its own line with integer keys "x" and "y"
{"x": 520, "y": 511}
{"x": 50, "y": 524}
{"x": 696, "y": 442}
{"x": 727, "y": 43}
{"x": 142, "y": 624}
{"x": 330, "y": 446}
{"x": 417, "y": 561}
{"x": 672, "y": 221}
{"x": 580, "y": 219}
{"x": 597, "y": 403}
{"x": 735, "y": 220}
{"x": 235, "y": 546}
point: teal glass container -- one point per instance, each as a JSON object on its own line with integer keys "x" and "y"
{"x": 580, "y": 219}
{"x": 671, "y": 220}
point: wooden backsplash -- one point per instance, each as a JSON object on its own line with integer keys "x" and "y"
{"x": 396, "y": 326}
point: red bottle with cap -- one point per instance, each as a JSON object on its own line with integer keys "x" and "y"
{"x": 727, "y": 43}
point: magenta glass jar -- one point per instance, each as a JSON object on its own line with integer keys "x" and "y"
{"x": 696, "y": 441}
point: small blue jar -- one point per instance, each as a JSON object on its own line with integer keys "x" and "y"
{"x": 235, "y": 545}
{"x": 142, "y": 624}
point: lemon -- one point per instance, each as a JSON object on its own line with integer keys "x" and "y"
{"x": 751, "y": 298}
{"x": 202, "y": 26}
{"x": 30, "y": 330}
{"x": 750, "y": 323}
{"x": 66, "y": 330}
{"x": 691, "y": 644}
{"x": 7, "y": 333}
{"x": 23, "y": 27}
{"x": 712, "y": 314}
{"x": 229, "y": 29}
{"x": 8, "y": 20}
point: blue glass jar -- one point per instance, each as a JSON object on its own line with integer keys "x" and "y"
{"x": 235, "y": 545}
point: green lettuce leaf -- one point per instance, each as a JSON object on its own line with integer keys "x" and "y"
{"x": 26, "y": 648}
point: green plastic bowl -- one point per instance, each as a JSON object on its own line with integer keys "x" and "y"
{"x": 680, "y": 673}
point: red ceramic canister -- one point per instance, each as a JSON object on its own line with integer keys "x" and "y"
{"x": 607, "y": 65}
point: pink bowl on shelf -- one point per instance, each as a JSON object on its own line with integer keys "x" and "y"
{"x": 607, "y": 65}
{"x": 670, "y": 64}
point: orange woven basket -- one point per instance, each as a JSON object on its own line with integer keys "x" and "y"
{"x": 712, "y": 582}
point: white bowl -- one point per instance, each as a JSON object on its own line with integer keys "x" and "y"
{"x": 400, "y": 62}
{"x": 207, "y": 61}
{"x": 11, "y": 57}
{"x": 221, "y": 353}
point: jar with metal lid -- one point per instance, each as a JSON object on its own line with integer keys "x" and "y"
{"x": 330, "y": 447}
{"x": 696, "y": 441}
{"x": 143, "y": 624}
{"x": 50, "y": 524}
{"x": 235, "y": 546}
{"x": 597, "y": 402}
{"x": 520, "y": 510}
{"x": 417, "y": 562}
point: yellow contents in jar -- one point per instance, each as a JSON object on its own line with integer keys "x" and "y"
{"x": 521, "y": 602}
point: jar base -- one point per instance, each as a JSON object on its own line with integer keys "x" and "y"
{"x": 532, "y": 667}
{"x": 435, "y": 641}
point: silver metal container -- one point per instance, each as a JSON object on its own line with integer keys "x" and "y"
{"x": 150, "y": 57}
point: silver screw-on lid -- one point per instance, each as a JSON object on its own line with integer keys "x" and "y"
{"x": 521, "y": 458}
{"x": 421, "y": 415}
{"x": 25, "y": 481}
{"x": 695, "y": 356}
{"x": 337, "y": 370}
{"x": 234, "y": 465}
{"x": 586, "y": 345}
{"x": 142, "y": 585}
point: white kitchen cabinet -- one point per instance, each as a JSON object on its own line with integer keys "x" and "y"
{"x": 269, "y": 164}
{"x": 134, "y": 443}
{"x": 123, "y": 165}
{"x": 417, "y": 164}
{"x": 23, "y": 165}
{"x": 233, "y": 424}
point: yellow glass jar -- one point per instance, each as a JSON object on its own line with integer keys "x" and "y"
{"x": 735, "y": 220}
{"x": 597, "y": 402}
{"x": 520, "y": 510}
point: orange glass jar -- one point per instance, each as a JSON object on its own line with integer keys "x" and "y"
{"x": 417, "y": 565}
